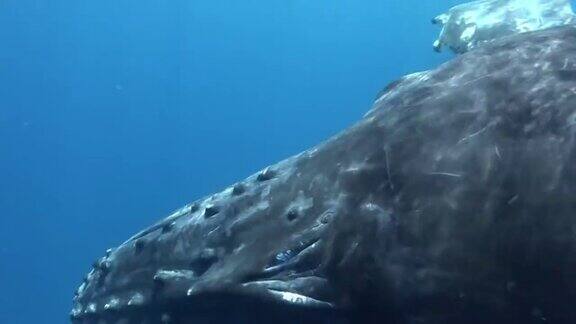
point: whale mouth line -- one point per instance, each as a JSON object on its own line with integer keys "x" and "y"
{"x": 273, "y": 306}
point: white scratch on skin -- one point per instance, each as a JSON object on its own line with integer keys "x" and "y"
{"x": 473, "y": 135}
{"x": 448, "y": 174}
{"x": 457, "y": 84}
{"x": 497, "y": 150}
{"x": 214, "y": 230}
{"x": 512, "y": 200}
{"x": 388, "y": 169}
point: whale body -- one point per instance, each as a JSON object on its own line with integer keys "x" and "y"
{"x": 452, "y": 201}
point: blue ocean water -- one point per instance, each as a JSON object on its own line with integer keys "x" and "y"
{"x": 115, "y": 113}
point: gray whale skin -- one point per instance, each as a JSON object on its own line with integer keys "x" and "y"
{"x": 452, "y": 201}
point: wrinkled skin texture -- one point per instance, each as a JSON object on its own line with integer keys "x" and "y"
{"x": 452, "y": 201}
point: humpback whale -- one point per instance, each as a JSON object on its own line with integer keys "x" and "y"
{"x": 474, "y": 23}
{"x": 453, "y": 200}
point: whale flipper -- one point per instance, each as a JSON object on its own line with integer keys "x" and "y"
{"x": 474, "y": 23}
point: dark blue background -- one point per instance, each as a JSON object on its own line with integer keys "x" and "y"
{"x": 113, "y": 113}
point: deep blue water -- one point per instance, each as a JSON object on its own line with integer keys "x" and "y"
{"x": 114, "y": 113}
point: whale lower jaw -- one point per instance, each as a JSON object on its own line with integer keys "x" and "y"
{"x": 276, "y": 307}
